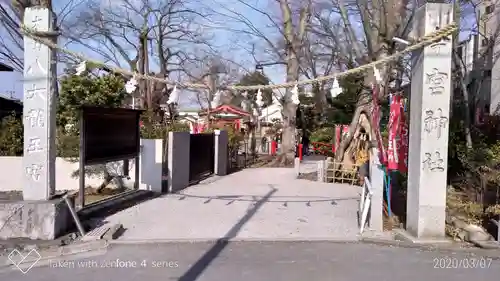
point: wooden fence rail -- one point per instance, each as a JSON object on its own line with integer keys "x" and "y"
{"x": 345, "y": 174}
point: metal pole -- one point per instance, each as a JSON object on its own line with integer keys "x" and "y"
{"x": 126, "y": 162}
{"x": 137, "y": 171}
{"x": 74, "y": 215}
{"x": 125, "y": 168}
{"x": 81, "y": 194}
{"x": 138, "y": 138}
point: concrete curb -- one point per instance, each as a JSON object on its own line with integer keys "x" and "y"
{"x": 441, "y": 247}
{"x": 58, "y": 253}
{"x": 227, "y": 239}
{"x": 494, "y": 254}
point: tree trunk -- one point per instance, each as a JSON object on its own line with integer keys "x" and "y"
{"x": 289, "y": 113}
{"x": 293, "y": 42}
{"x": 319, "y": 96}
{"x": 288, "y": 134}
{"x": 361, "y": 119}
{"x": 142, "y": 69}
{"x": 465, "y": 92}
{"x": 149, "y": 84}
{"x": 344, "y": 156}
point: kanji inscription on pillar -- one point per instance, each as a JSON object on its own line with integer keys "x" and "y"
{"x": 433, "y": 162}
{"x": 35, "y": 118}
{"x": 435, "y": 122}
{"x": 39, "y": 109}
{"x": 436, "y": 80}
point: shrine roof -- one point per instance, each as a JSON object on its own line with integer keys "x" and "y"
{"x": 227, "y": 108}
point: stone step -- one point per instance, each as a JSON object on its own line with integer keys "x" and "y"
{"x": 105, "y": 232}
{"x": 96, "y": 233}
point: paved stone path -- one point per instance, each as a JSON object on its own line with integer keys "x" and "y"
{"x": 250, "y": 261}
{"x": 253, "y": 204}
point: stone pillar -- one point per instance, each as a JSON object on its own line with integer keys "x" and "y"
{"x": 376, "y": 219}
{"x": 151, "y": 165}
{"x": 178, "y": 160}
{"x": 429, "y": 113}
{"x": 221, "y": 152}
{"x": 39, "y": 109}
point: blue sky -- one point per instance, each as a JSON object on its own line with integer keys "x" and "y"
{"x": 230, "y": 43}
{"x": 226, "y": 41}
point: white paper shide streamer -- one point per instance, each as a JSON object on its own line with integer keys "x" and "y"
{"x": 174, "y": 96}
{"x": 255, "y": 112}
{"x": 244, "y": 105}
{"x": 81, "y": 68}
{"x": 295, "y": 95}
{"x": 260, "y": 99}
{"x": 131, "y": 85}
{"x": 377, "y": 75}
{"x": 336, "y": 89}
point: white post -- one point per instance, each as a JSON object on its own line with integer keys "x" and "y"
{"x": 429, "y": 116}
{"x": 321, "y": 170}
{"x": 376, "y": 220}
{"x": 151, "y": 165}
{"x": 296, "y": 166}
{"x": 39, "y": 102}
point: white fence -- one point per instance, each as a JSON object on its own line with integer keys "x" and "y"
{"x": 364, "y": 205}
{"x": 11, "y": 177}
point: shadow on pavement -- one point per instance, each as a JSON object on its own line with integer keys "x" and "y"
{"x": 197, "y": 269}
{"x": 280, "y": 199}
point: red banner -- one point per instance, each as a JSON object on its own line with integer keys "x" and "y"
{"x": 376, "y": 124}
{"x": 393, "y": 129}
{"x": 403, "y": 144}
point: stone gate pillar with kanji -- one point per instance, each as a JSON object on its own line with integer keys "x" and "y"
{"x": 429, "y": 115}
{"x": 39, "y": 111}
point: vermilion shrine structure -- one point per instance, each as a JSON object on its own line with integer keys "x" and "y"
{"x": 225, "y": 115}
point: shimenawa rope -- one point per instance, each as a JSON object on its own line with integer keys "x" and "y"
{"x": 422, "y": 42}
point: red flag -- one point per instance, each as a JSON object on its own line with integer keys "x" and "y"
{"x": 393, "y": 130}
{"x": 403, "y": 144}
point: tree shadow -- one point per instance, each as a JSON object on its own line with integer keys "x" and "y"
{"x": 195, "y": 271}
{"x": 113, "y": 205}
